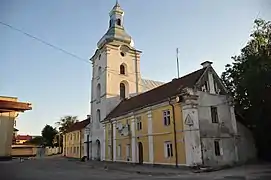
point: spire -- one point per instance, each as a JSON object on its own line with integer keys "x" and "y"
{"x": 116, "y": 30}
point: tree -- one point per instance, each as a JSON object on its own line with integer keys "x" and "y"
{"x": 66, "y": 122}
{"x": 39, "y": 140}
{"x": 48, "y": 133}
{"x": 249, "y": 81}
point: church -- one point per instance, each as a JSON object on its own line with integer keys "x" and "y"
{"x": 188, "y": 121}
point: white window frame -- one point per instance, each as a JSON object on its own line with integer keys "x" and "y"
{"x": 168, "y": 149}
{"x": 166, "y": 117}
{"x": 138, "y": 123}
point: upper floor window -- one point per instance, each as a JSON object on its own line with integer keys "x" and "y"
{"x": 138, "y": 123}
{"x": 98, "y": 118}
{"x": 122, "y": 91}
{"x": 118, "y": 22}
{"x": 99, "y": 56}
{"x": 166, "y": 116}
{"x": 214, "y": 114}
{"x": 99, "y": 70}
{"x": 98, "y": 93}
{"x": 110, "y": 23}
{"x": 122, "y": 69}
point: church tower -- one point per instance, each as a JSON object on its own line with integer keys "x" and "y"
{"x": 115, "y": 75}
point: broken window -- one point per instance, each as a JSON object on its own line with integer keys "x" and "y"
{"x": 217, "y": 148}
{"x": 214, "y": 114}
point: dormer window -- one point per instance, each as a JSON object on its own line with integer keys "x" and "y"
{"x": 118, "y": 22}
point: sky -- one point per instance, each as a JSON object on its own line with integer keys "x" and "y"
{"x": 58, "y": 84}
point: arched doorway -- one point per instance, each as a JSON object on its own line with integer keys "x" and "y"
{"x": 98, "y": 152}
{"x": 140, "y": 153}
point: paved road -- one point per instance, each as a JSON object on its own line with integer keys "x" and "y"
{"x": 56, "y": 168}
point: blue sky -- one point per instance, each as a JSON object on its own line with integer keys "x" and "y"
{"x": 58, "y": 84}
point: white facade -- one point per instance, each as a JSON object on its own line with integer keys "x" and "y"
{"x": 116, "y": 73}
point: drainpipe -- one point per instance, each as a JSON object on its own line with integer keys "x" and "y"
{"x": 174, "y": 130}
{"x": 80, "y": 145}
{"x": 112, "y": 140}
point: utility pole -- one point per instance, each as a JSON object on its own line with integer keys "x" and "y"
{"x": 177, "y": 58}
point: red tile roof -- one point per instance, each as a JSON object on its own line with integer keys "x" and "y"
{"x": 24, "y": 137}
{"x": 79, "y": 125}
{"x": 156, "y": 95}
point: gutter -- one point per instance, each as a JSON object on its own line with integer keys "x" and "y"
{"x": 174, "y": 130}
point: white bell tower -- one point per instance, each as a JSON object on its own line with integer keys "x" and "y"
{"x": 115, "y": 76}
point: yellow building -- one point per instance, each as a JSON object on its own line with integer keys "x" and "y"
{"x": 73, "y": 140}
{"x": 9, "y": 108}
{"x": 186, "y": 122}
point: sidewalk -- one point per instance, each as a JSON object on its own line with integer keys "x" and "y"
{"x": 139, "y": 169}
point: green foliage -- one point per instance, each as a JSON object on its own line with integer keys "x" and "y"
{"x": 39, "y": 140}
{"x": 49, "y": 133}
{"x": 249, "y": 81}
{"x": 66, "y": 122}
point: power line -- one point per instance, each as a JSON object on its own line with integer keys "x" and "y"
{"x": 43, "y": 41}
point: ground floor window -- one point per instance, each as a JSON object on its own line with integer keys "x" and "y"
{"x": 217, "y": 147}
{"x": 168, "y": 150}
{"x": 119, "y": 151}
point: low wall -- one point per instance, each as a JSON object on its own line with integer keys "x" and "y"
{"x": 23, "y": 151}
{"x": 52, "y": 151}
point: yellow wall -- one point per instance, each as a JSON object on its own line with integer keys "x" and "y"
{"x": 164, "y": 134}
{"x": 160, "y": 132}
{"x": 6, "y": 129}
{"x": 73, "y": 144}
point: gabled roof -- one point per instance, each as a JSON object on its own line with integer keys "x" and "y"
{"x": 24, "y": 137}
{"x": 156, "y": 95}
{"x": 79, "y": 125}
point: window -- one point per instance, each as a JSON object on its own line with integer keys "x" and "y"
{"x": 122, "y": 91}
{"x": 110, "y": 23}
{"x": 217, "y": 148}
{"x": 122, "y": 54}
{"x": 214, "y": 114}
{"x": 99, "y": 56}
{"x": 206, "y": 84}
{"x": 166, "y": 115}
{"x": 98, "y": 118}
{"x": 122, "y": 69}
{"x": 138, "y": 123}
{"x": 99, "y": 71}
{"x": 168, "y": 149}
{"x": 98, "y": 93}
{"x": 128, "y": 150}
{"x": 118, "y": 22}
{"x": 119, "y": 151}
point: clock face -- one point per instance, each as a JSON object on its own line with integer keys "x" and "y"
{"x": 124, "y": 49}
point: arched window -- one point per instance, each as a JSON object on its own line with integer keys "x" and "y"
{"x": 122, "y": 69}
{"x": 98, "y": 93}
{"x": 98, "y": 115}
{"x": 122, "y": 91}
{"x": 99, "y": 71}
{"x": 118, "y": 22}
{"x": 98, "y": 118}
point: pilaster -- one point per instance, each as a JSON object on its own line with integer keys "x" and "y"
{"x": 133, "y": 139}
{"x": 150, "y": 137}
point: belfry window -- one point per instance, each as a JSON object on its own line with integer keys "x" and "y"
{"x": 122, "y": 69}
{"x": 118, "y": 22}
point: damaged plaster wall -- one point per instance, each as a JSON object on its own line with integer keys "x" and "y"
{"x": 223, "y": 131}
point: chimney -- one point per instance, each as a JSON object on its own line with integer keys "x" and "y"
{"x": 206, "y": 63}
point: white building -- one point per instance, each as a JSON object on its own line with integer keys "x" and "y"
{"x": 115, "y": 75}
